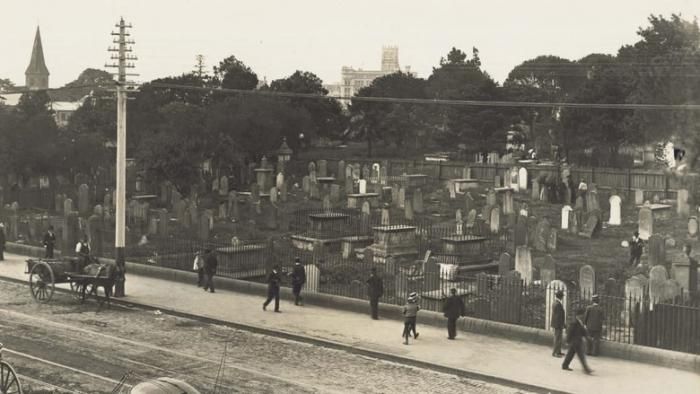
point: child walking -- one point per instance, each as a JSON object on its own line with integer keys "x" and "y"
{"x": 410, "y": 312}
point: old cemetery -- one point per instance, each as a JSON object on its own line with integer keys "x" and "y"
{"x": 507, "y": 237}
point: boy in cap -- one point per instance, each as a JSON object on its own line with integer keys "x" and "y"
{"x": 410, "y": 312}
{"x": 593, "y": 319}
{"x": 557, "y": 323}
{"x": 298, "y": 275}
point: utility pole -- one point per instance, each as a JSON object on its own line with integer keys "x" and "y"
{"x": 122, "y": 57}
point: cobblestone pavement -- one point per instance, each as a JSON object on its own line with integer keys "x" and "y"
{"x": 77, "y": 348}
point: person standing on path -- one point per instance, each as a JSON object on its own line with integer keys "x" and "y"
{"x": 453, "y": 310}
{"x": 593, "y": 319}
{"x": 210, "y": 265}
{"x": 375, "y": 290}
{"x": 410, "y": 313}
{"x": 49, "y": 243}
{"x": 557, "y": 323}
{"x": 298, "y": 279}
{"x": 574, "y": 337}
{"x": 693, "y": 267}
{"x": 198, "y": 267}
{"x": 2, "y": 241}
{"x": 636, "y": 249}
{"x": 273, "y": 289}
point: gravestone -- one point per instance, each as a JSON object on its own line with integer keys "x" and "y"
{"x": 590, "y": 228}
{"x": 335, "y": 193}
{"x": 693, "y": 227}
{"x": 505, "y": 264}
{"x": 326, "y": 204}
{"x": 366, "y": 208}
{"x": 273, "y": 195}
{"x": 314, "y": 191}
{"x": 522, "y": 179}
{"x": 523, "y": 263}
{"x": 592, "y": 201}
{"x": 497, "y": 181}
{"x": 657, "y": 250}
{"x": 565, "y": 212}
{"x": 356, "y": 171}
{"x": 634, "y": 293}
{"x": 471, "y": 218}
{"x": 383, "y": 174}
{"x": 574, "y": 221}
{"x": 58, "y": 202}
{"x": 542, "y": 235}
{"x": 672, "y": 290}
{"x": 313, "y": 278}
{"x": 67, "y": 206}
{"x": 615, "y": 211}
{"x": 552, "y": 240}
{"x": 682, "y": 208}
{"x": 495, "y": 220}
{"x": 83, "y": 199}
{"x": 363, "y": 186}
{"x": 508, "y": 202}
{"x": 179, "y": 208}
{"x": 322, "y": 168}
{"x": 402, "y": 197}
{"x": 283, "y": 192}
{"x": 452, "y": 191}
{"x": 349, "y": 185}
{"x": 223, "y": 186}
{"x": 408, "y": 210}
{"x": 491, "y": 197}
{"x": 657, "y": 279}
{"x": 418, "y": 201}
{"x": 638, "y": 197}
{"x": 306, "y": 184}
{"x": 349, "y": 169}
{"x": 341, "y": 170}
{"x": 586, "y": 281}
{"x": 550, "y": 298}
{"x": 548, "y": 270}
{"x": 520, "y": 233}
{"x": 535, "y": 189}
{"x": 385, "y": 220}
{"x": 646, "y": 222}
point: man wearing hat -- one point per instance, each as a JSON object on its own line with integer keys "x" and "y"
{"x": 636, "y": 249}
{"x": 593, "y": 319}
{"x": 298, "y": 279}
{"x": 375, "y": 290}
{"x": 557, "y": 323}
{"x": 453, "y": 309}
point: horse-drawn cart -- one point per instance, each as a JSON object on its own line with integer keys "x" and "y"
{"x": 9, "y": 382}
{"x": 84, "y": 278}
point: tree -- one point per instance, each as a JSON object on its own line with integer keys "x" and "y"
{"x": 34, "y": 103}
{"x": 326, "y": 115}
{"x": 460, "y": 78}
{"x": 175, "y": 149}
{"x": 390, "y": 122}
{"x": 90, "y": 80}
{"x": 234, "y": 74}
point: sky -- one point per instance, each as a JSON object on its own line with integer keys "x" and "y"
{"x": 275, "y": 38}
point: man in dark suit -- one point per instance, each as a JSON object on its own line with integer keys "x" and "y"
{"x": 49, "y": 243}
{"x": 593, "y": 319}
{"x": 210, "y": 266}
{"x": 557, "y": 323}
{"x": 298, "y": 279}
{"x": 574, "y": 337}
{"x": 453, "y": 309}
{"x": 273, "y": 289}
{"x": 636, "y": 249}
{"x": 375, "y": 290}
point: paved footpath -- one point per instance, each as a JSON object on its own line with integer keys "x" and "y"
{"x": 515, "y": 361}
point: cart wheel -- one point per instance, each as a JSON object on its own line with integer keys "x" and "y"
{"x": 41, "y": 282}
{"x": 9, "y": 382}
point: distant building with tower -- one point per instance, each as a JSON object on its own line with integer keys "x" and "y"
{"x": 352, "y": 80}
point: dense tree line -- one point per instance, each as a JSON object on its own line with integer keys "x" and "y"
{"x": 171, "y": 130}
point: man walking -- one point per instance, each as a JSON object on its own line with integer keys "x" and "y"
{"x": 49, "y": 243}
{"x": 210, "y": 265}
{"x": 198, "y": 267}
{"x": 375, "y": 290}
{"x": 557, "y": 323}
{"x": 273, "y": 289}
{"x": 636, "y": 249}
{"x": 574, "y": 337}
{"x": 593, "y": 319}
{"x": 453, "y": 309}
{"x": 298, "y": 279}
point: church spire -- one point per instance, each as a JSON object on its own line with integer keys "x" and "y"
{"x": 37, "y": 74}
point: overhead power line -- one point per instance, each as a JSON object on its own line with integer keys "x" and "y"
{"x": 468, "y": 103}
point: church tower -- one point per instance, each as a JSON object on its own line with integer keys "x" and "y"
{"x": 37, "y": 74}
